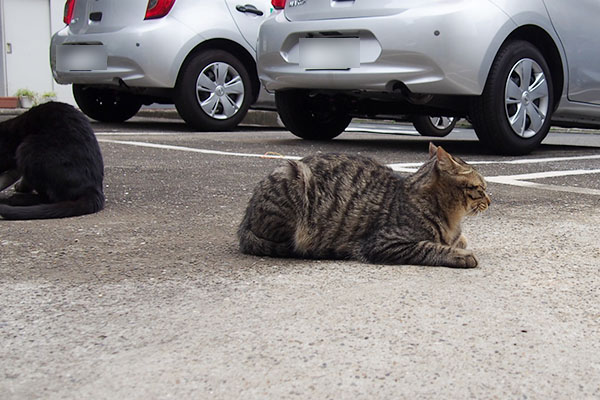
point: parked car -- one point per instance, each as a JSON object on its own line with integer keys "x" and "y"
{"x": 196, "y": 54}
{"x": 438, "y": 126}
{"x": 511, "y": 67}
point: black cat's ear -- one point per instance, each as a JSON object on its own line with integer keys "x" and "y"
{"x": 432, "y": 150}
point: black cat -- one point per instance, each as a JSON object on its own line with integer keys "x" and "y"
{"x": 53, "y": 150}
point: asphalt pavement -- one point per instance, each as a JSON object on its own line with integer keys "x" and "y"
{"x": 151, "y": 299}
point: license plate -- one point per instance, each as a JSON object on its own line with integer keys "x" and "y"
{"x": 81, "y": 58}
{"x": 329, "y": 53}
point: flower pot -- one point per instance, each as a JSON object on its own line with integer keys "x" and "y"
{"x": 26, "y": 101}
{"x": 9, "y": 102}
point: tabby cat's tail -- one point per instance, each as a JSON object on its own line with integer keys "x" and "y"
{"x": 87, "y": 204}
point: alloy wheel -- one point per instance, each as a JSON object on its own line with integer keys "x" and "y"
{"x": 526, "y": 98}
{"x": 441, "y": 122}
{"x": 220, "y": 90}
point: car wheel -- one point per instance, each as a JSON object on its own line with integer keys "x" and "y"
{"x": 213, "y": 92}
{"x": 105, "y": 105}
{"x": 512, "y": 116}
{"x": 312, "y": 117}
{"x": 433, "y": 126}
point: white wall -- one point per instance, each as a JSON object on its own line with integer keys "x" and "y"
{"x": 3, "y": 91}
{"x": 28, "y": 26}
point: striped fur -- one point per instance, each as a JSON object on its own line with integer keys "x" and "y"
{"x": 351, "y": 207}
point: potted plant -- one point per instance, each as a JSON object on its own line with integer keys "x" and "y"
{"x": 48, "y": 97}
{"x": 27, "y": 98}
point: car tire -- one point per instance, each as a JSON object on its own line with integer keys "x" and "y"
{"x": 214, "y": 91}
{"x": 434, "y": 126}
{"x": 311, "y": 117}
{"x": 105, "y": 105}
{"x": 513, "y": 114}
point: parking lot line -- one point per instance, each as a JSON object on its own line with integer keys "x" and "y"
{"x": 411, "y": 167}
{"x": 138, "y": 133}
{"x": 548, "y": 174}
{"x": 537, "y": 160}
{"x": 522, "y": 180}
{"x": 195, "y": 150}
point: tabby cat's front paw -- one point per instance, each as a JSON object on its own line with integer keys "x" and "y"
{"x": 461, "y": 243}
{"x": 465, "y": 259}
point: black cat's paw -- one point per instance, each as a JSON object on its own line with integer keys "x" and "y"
{"x": 7, "y": 178}
{"x": 23, "y": 187}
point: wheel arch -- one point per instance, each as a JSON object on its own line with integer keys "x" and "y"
{"x": 549, "y": 49}
{"x": 236, "y": 50}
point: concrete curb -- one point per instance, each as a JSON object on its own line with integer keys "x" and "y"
{"x": 253, "y": 118}
{"x": 270, "y": 119}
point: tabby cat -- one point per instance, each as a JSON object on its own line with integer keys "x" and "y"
{"x": 52, "y": 149}
{"x": 351, "y": 207}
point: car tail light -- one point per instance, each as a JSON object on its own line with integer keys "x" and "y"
{"x": 158, "y": 8}
{"x": 278, "y": 4}
{"x": 69, "y": 8}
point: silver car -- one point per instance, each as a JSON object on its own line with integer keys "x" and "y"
{"x": 512, "y": 67}
{"x": 197, "y": 54}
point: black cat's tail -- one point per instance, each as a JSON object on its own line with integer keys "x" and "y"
{"x": 87, "y": 204}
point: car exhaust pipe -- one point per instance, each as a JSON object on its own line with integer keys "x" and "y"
{"x": 413, "y": 98}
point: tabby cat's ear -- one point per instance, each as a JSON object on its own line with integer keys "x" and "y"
{"x": 432, "y": 150}
{"x": 446, "y": 163}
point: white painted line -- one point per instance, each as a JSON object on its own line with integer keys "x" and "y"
{"x": 398, "y": 168}
{"x": 194, "y": 150}
{"x": 554, "y": 188}
{"x": 411, "y": 167}
{"x": 405, "y": 167}
{"x": 121, "y": 133}
{"x": 520, "y": 180}
{"x": 407, "y": 132}
{"x": 543, "y": 175}
{"x": 514, "y": 180}
{"x": 537, "y": 160}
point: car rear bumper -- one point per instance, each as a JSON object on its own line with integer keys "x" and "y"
{"x": 131, "y": 56}
{"x": 440, "y": 48}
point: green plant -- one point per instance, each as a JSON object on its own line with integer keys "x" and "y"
{"x": 26, "y": 93}
{"x": 46, "y": 97}
{"x": 28, "y": 98}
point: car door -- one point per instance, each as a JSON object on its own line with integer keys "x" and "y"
{"x": 579, "y": 31}
{"x": 248, "y": 15}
